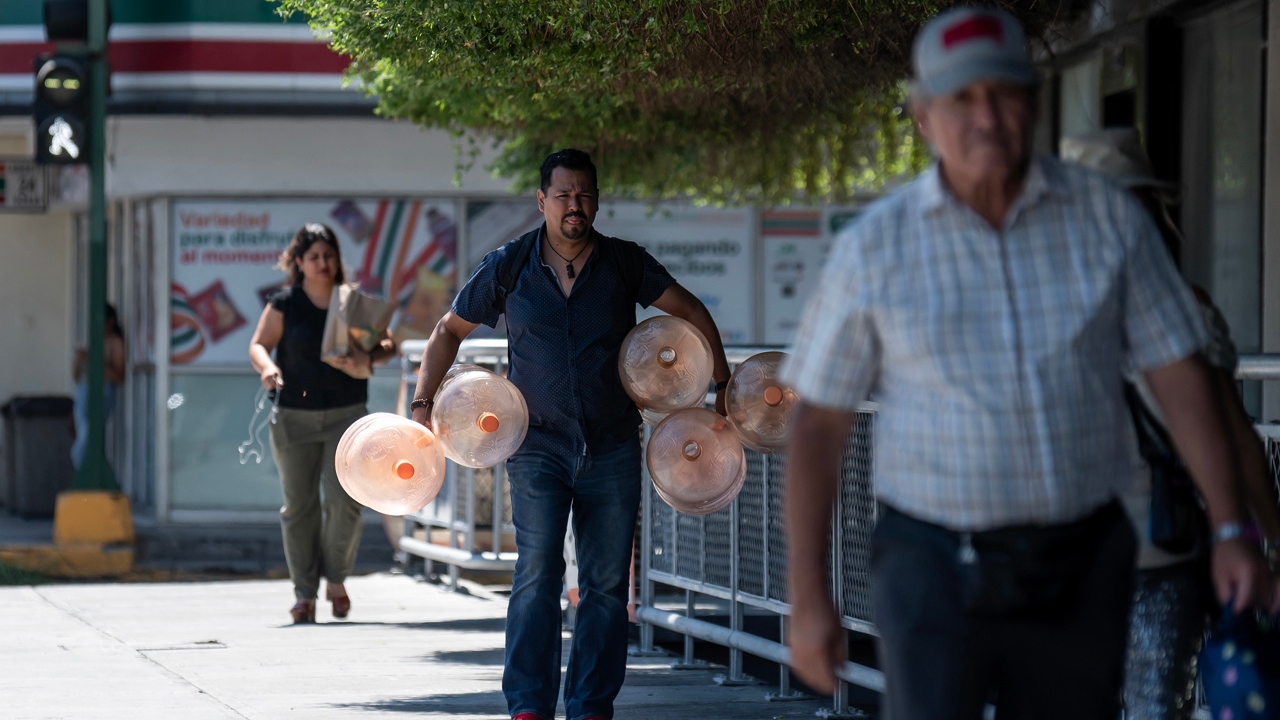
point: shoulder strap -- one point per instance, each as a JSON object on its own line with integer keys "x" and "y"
{"x": 1154, "y": 443}
{"x": 631, "y": 259}
{"x": 514, "y": 261}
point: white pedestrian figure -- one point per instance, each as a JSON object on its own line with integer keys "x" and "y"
{"x": 60, "y": 141}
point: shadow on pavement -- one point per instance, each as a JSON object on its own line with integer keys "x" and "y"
{"x": 490, "y": 656}
{"x": 494, "y": 625}
{"x": 479, "y": 703}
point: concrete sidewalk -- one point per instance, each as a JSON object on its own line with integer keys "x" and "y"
{"x": 226, "y": 650}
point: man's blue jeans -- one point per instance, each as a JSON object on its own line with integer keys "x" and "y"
{"x": 604, "y": 493}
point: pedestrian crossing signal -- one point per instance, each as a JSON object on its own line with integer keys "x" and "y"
{"x": 61, "y": 109}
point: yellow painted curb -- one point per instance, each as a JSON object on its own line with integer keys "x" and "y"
{"x": 99, "y": 517}
{"x": 71, "y": 560}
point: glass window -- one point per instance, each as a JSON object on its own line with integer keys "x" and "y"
{"x": 1222, "y": 156}
{"x": 1080, "y": 111}
{"x": 209, "y": 417}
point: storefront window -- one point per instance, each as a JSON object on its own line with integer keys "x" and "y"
{"x": 1222, "y": 155}
{"x": 224, "y": 255}
{"x": 209, "y": 416}
{"x": 1081, "y": 110}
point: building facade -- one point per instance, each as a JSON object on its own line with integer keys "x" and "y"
{"x": 228, "y": 129}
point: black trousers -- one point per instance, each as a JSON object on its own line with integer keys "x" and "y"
{"x": 943, "y": 661}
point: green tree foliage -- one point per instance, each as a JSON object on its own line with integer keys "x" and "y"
{"x": 718, "y": 100}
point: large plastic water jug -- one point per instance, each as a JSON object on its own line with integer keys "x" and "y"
{"x": 479, "y": 416}
{"x": 759, "y": 405}
{"x": 665, "y": 365}
{"x": 696, "y": 461}
{"x": 390, "y": 463}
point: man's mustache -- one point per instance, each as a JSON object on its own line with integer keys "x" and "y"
{"x": 574, "y": 214}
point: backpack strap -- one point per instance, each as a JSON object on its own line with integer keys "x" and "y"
{"x": 1154, "y": 443}
{"x": 514, "y": 262}
{"x": 631, "y": 261}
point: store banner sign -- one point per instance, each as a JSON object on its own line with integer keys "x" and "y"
{"x": 709, "y": 251}
{"x": 23, "y": 186}
{"x": 225, "y": 255}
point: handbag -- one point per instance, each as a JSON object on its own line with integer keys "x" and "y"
{"x": 1178, "y": 522}
{"x": 354, "y": 320}
{"x": 1240, "y": 666}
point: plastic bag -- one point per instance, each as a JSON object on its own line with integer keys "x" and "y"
{"x": 355, "y": 320}
{"x": 1240, "y": 667}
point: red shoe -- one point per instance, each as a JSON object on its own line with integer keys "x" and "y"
{"x": 303, "y": 611}
{"x": 341, "y": 603}
{"x": 526, "y": 716}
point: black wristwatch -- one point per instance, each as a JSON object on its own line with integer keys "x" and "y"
{"x": 421, "y": 403}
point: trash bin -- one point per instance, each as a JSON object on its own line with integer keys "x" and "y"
{"x": 37, "y": 453}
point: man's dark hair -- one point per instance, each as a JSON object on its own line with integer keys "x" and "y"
{"x": 569, "y": 159}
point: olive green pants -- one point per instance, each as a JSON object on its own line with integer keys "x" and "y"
{"x": 320, "y": 522}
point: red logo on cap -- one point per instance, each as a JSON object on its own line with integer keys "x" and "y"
{"x": 980, "y": 26}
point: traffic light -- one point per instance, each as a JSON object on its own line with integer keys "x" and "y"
{"x": 61, "y": 109}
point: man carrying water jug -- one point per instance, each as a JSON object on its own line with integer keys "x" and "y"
{"x": 569, "y": 295}
{"x": 992, "y": 306}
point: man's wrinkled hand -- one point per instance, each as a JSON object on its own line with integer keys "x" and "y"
{"x": 818, "y": 644}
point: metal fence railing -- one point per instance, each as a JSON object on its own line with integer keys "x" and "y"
{"x": 468, "y": 525}
{"x": 736, "y": 555}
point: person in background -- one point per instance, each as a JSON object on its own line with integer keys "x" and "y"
{"x": 570, "y": 304}
{"x": 992, "y": 306}
{"x": 317, "y": 402}
{"x": 113, "y": 370}
{"x": 1172, "y": 594}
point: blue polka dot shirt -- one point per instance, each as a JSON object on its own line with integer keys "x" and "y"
{"x": 564, "y": 350}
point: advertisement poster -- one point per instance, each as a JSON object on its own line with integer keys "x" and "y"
{"x": 796, "y": 244}
{"x": 225, "y": 254}
{"x": 708, "y": 251}
{"x": 490, "y": 224}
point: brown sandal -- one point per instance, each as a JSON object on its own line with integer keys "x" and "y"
{"x": 341, "y": 603}
{"x": 303, "y": 611}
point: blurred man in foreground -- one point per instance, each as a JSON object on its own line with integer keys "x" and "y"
{"x": 992, "y": 306}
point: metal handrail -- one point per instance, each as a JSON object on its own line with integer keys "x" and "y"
{"x": 411, "y": 350}
{"x": 1260, "y": 366}
{"x": 1254, "y": 366}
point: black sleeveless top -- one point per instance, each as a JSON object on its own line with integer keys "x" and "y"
{"x": 309, "y": 382}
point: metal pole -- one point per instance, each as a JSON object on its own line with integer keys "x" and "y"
{"x": 736, "y": 676}
{"x": 647, "y": 519}
{"x": 689, "y": 661}
{"x": 95, "y": 473}
{"x": 840, "y": 699}
{"x": 499, "y": 500}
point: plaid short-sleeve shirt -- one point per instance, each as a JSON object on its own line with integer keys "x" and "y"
{"x": 996, "y": 356}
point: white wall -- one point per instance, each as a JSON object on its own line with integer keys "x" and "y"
{"x": 37, "y": 322}
{"x": 290, "y": 156}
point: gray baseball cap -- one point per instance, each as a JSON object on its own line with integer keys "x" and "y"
{"x": 965, "y": 45}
